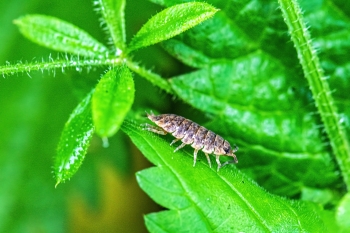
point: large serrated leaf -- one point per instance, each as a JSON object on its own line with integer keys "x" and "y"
{"x": 171, "y": 22}
{"x": 202, "y": 200}
{"x": 112, "y": 100}
{"x": 59, "y": 35}
{"x": 74, "y": 141}
{"x": 252, "y": 86}
{"x": 263, "y": 112}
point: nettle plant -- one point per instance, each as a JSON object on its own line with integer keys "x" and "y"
{"x": 249, "y": 59}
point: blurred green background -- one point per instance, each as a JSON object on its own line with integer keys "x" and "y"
{"x": 103, "y": 196}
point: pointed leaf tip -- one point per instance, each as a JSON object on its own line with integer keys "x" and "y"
{"x": 60, "y": 35}
{"x": 74, "y": 141}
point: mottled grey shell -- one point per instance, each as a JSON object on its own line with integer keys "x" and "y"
{"x": 190, "y": 133}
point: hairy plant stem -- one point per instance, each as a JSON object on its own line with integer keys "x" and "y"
{"x": 57, "y": 64}
{"x": 153, "y": 78}
{"x": 318, "y": 85}
{"x": 78, "y": 63}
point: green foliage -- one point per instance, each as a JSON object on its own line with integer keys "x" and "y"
{"x": 202, "y": 200}
{"x": 318, "y": 85}
{"x": 343, "y": 212}
{"x": 171, "y": 22}
{"x": 74, "y": 141}
{"x": 59, "y": 35}
{"x": 112, "y": 100}
{"x": 248, "y": 81}
{"x": 113, "y": 16}
{"x": 261, "y": 110}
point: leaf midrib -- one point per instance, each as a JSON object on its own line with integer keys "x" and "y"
{"x": 263, "y": 223}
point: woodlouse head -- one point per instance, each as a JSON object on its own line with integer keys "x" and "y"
{"x": 229, "y": 151}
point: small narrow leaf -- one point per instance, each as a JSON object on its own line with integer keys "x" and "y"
{"x": 112, "y": 100}
{"x": 171, "y": 22}
{"x": 59, "y": 35}
{"x": 113, "y": 15}
{"x": 74, "y": 141}
{"x": 225, "y": 201}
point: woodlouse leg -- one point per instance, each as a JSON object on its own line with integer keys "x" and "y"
{"x": 153, "y": 129}
{"x": 208, "y": 159}
{"x": 235, "y": 148}
{"x": 195, "y": 157}
{"x": 228, "y": 162}
{"x": 179, "y": 147}
{"x": 218, "y": 162}
{"x": 175, "y": 140}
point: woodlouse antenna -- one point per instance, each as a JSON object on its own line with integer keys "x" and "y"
{"x": 235, "y": 160}
{"x": 233, "y": 155}
{"x": 228, "y": 162}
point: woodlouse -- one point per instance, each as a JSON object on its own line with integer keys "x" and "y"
{"x": 190, "y": 133}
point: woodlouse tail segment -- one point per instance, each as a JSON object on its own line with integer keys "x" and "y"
{"x": 151, "y": 116}
{"x": 153, "y": 129}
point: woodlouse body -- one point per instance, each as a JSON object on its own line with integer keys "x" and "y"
{"x": 190, "y": 133}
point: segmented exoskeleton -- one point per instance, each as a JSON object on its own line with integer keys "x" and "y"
{"x": 192, "y": 134}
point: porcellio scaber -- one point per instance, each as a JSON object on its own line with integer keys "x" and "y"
{"x": 190, "y": 133}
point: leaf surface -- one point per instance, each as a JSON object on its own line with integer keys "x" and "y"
{"x": 251, "y": 86}
{"x": 263, "y": 115}
{"x": 343, "y": 213}
{"x": 59, "y": 35}
{"x": 114, "y": 17}
{"x": 227, "y": 201}
{"x": 74, "y": 141}
{"x": 112, "y": 100}
{"x": 171, "y": 22}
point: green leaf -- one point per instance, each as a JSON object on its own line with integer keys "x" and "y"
{"x": 271, "y": 117}
{"x": 343, "y": 213}
{"x": 113, "y": 15}
{"x": 258, "y": 107}
{"x": 213, "y": 201}
{"x": 171, "y": 22}
{"x": 112, "y": 100}
{"x": 59, "y": 35}
{"x": 74, "y": 141}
